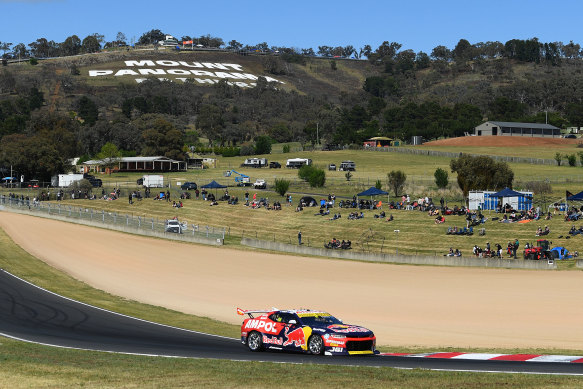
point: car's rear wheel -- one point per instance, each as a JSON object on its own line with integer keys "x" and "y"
{"x": 316, "y": 345}
{"x": 254, "y": 341}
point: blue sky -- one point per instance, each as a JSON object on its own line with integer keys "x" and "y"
{"x": 418, "y": 24}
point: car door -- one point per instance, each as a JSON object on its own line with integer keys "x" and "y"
{"x": 293, "y": 333}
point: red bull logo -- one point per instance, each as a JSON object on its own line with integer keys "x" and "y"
{"x": 297, "y": 337}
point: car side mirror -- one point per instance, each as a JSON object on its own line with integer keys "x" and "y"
{"x": 292, "y": 322}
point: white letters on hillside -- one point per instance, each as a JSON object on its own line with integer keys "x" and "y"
{"x": 189, "y": 72}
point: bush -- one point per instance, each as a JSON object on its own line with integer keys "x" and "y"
{"x": 558, "y": 158}
{"x": 33, "y": 61}
{"x": 378, "y": 184}
{"x": 315, "y": 177}
{"x": 572, "y": 159}
{"x": 397, "y": 181}
{"x": 263, "y": 145}
{"x": 348, "y": 176}
{"x": 281, "y": 186}
{"x": 247, "y": 150}
{"x": 441, "y": 178}
{"x": 285, "y": 149}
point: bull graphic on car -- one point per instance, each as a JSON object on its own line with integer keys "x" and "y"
{"x": 304, "y": 330}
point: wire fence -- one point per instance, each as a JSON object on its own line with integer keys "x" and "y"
{"x": 131, "y": 222}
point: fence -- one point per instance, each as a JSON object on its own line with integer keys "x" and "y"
{"x": 112, "y": 220}
{"x": 399, "y": 258}
{"x": 434, "y": 153}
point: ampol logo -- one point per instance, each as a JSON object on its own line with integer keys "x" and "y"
{"x": 261, "y": 325}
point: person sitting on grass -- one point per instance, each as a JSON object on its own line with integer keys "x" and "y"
{"x": 440, "y": 219}
{"x": 390, "y": 218}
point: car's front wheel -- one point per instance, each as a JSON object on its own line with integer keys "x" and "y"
{"x": 254, "y": 341}
{"x": 316, "y": 345}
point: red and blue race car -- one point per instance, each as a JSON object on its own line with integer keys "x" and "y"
{"x": 304, "y": 330}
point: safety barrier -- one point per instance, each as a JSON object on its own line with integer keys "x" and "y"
{"x": 112, "y": 221}
{"x": 399, "y": 258}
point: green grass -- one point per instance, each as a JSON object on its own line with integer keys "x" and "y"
{"x": 26, "y": 365}
{"x": 418, "y": 233}
{"x": 525, "y": 152}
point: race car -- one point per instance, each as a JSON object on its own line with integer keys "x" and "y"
{"x": 304, "y": 330}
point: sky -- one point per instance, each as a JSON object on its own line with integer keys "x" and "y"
{"x": 419, "y": 25}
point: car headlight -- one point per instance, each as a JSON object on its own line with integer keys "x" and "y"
{"x": 337, "y": 336}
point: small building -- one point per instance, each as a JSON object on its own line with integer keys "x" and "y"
{"x": 540, "y": 130}
{"x": 378, "y": 141}
{"x": 485, "y": 200}
{"x": 195, "y": 161}
{"x": 136, "y": 164}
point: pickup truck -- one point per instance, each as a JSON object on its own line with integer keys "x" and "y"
{"x": 260, "y": 184}
{"x": 174, "y": 226}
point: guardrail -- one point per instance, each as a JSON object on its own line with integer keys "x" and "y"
{"x": 120, "y": 222}
{"x": 399, "y": 258}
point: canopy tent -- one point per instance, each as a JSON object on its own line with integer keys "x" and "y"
{"x": 576, "y": 197}
{"x": 8, "y": 178}
{"x": 507, "y": 192}
{"x": 309, "y": 201}
{"x": 372, "y": 191}
{"x": 213, "y": 185}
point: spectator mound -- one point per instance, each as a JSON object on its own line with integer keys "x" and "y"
{"x": 503, "y": 141}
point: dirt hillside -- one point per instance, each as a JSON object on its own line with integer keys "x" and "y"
{"x": 503, "y": 141}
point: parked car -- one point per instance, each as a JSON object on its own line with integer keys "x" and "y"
{"x": 173, "y": 225}
{"x": 95, "y": 182}
{"x": 274, "y": 165}
{"x": 260, "y": 184}
{"x": 189, "y": 186}
{"x": 570, "y": 136}
{"x": 332, "y": 166}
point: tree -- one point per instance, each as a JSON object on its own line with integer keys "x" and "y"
{"x": 441, "y": 178}
{"x": 234, "y": 45}
{"x": 481, "y": 173}
{"x": 378, "y": 184}
{"x": 462, "y": 51}
{"x": 34, "y": 157}
{"x": 441, "y": 53}
{"x": 558, "y": 158}
{"x": 151, "y": 37}
{"x": 39, "y": 48}
{"x": 110, "y": 155}
{"x": 397, "y": 180}
{"x": 162, "y": 138}
{"x": 5, "y": 46}
{"x": 90, "y": 44}
{"x": 571, "y": 159}
{"x": 20, "y": 51}
{"x": 121, "y": 39}
{"x": 87, "y": 110}
{"x": 281, "y": 186}
{"x": 263, "y": 145}
{"x": 210, "y": 121}
{"x": 71, "y": 45}
{"x": 315, "y": 177}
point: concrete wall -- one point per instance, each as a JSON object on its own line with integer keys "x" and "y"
{"x": 397, "y": 258}
{"x": 131, "y": 230}
{"x": 579, "y": 263}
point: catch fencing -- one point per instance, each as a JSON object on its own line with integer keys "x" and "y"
{"x": 434, "y": 153}
{"x": 121, "y": 222}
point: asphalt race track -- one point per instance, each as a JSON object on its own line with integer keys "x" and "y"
{"x": 30, "y": 313}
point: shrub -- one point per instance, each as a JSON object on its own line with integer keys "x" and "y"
{"x": 378, "y": 184}
{"x": 558, "y": 158}
{"x": 441, "y": 178}
{"x": 263, "y": 145}
{"x": 285, "y": 149}
{"x": 33, "y": 61}
{"x": 281, "y": 186}
{"x": 580, "y": 153}
{"x": 397, "y": 180}
{"x": 315, "y": 177}
{"x": 572, "y": 159}
{"x": 247, "y": 150}
{"x": 348, "y": 176}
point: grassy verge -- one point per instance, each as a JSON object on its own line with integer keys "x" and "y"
{"x": 28, "y": 365}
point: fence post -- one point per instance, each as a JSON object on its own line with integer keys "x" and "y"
{"x": 152, "y": 224}
{"x": 139, "y": 222}
{"x": 92, "y": 214}
{"x": 127, "y": 220}
{"x": 103, "y": 215}
{"x": 207, "y": 231}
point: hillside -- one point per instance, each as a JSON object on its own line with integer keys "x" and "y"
{"x": 75, "y": 105}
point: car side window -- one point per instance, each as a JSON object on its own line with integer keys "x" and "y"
{"x": 287, "y": 317}
{"x": 276, "y": 317}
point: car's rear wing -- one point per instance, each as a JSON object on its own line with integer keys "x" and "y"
{"x": 250, "y": 312}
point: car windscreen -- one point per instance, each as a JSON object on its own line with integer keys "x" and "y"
{"x": 318, "y": 319}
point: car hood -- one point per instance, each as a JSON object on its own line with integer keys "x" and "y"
{"x": 344, "y": 329}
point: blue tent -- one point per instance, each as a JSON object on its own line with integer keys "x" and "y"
{"x": 576, "y": 197}
{"x": 213, "y": 185}
{"x": 506, "y": 192}
{"x": 372, "y": 191}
